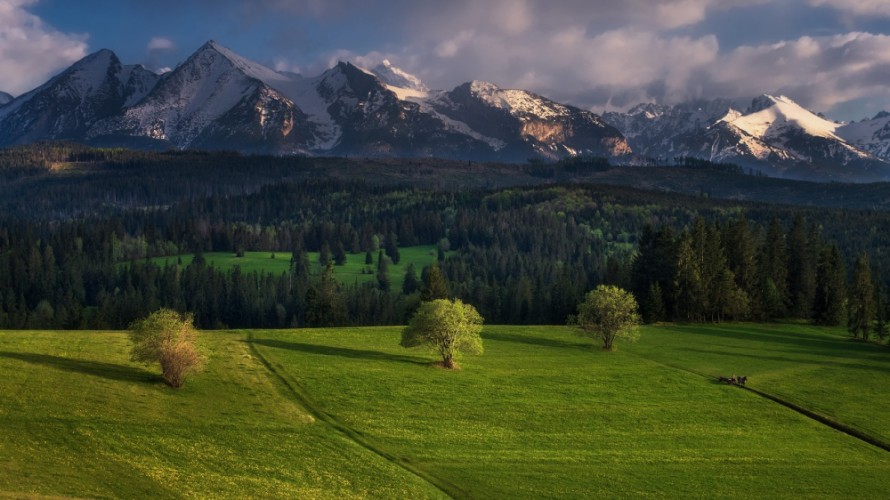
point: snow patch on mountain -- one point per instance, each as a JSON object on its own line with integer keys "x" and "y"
{"x": 870, "y": 135}
{"x": 772, "y": 116}
{"x": 396, "y": 77}
{"x": 209, "y": 84}
{"x": 519, "y": 103}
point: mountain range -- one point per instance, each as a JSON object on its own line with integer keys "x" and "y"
{"x": 217, "y": 99}
{"x": 773, "y": 135}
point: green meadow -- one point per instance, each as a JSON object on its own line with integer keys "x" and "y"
{"x": 335, "y": 413}
{"x": 353, "y": 271}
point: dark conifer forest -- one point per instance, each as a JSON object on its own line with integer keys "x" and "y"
{"x": 522, "y": 243}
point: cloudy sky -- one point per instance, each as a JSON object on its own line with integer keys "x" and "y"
{"x": 830, "y": 55}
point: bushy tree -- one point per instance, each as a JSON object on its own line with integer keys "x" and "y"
{"x": 446, "y": 326}
{"x": 608, "y": 313}
{"x": 168, "y": 338}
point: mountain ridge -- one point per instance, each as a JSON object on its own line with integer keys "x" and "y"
{"x": 217, "y": 99}
{"x": 773, "y": 135}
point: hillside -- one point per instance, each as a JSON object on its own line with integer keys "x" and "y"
{"x": 348, "y": 413}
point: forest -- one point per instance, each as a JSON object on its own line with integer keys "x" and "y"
{"x": 76, "y": 253}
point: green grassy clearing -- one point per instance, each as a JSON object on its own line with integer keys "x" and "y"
{"x": 817, "y": 368}
{"x": 77, "y": 419}
{"x": 541, "y": 414}
{"x": 353, "y": 271}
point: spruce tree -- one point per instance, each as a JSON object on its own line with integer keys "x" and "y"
{"x": 831, "y": 288}
{"x": 410, "y": 284}
{"x": 655, "y": 310}
{"x": 801, "y": 270}
{"x": 382, "y": 273}
{"x": 434, "y": 285}
{"x": 861, "y": 309}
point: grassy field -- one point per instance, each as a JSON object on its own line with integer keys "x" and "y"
{"x": 347, "y": 412}
{"x": 77, "y": 419}
{"x": 353, "y": 271}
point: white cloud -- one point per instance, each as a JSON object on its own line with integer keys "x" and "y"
{"x": 449, "y": 48}
{"x": 857, "y": 7}
{"x": 819, "y": 72}
{"x": 30, "y": 50}
{"x": 160, "y": 43}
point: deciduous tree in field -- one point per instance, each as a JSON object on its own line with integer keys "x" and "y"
{"x": 446, "y": 326}
{"x": 168, "y": 338}
{"x": 608, "y": 313}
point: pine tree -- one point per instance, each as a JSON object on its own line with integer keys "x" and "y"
{"x": 655, "y": 304}
{"x": 741, "y": 254}
{"x": 324, "y": 300}
{"x": 880, "y": 313}
{"x": 339, "y": 254}
{"x": 410, "y": 284}
{"x": 392, "y": 248}
{"x": 383, "y": 273}
{"x": 831, "y": 288}
{"x": 801, "y": 269}
{"x": 772, "y": 292}
{"x": 434, "y": 285}
{"x": 861, "y": 308}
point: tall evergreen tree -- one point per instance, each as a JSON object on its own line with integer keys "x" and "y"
{"x": 880, "y": 312}
{"x": 741, "y": 253}
{"x": 801, "y": 269}
{"x": 410, "y": 284}
{"x": 324, "y": 301}
{"x": 655, "y": 310}
{"x": 830, "y": 301}
{"x": 773, "y": 267}
{"x": 434, "y": 285}
{"x": 392, "y": 248}
{"x": 861, "y": 309}
{"x": 383, "y": 273}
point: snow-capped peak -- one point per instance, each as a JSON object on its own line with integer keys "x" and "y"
{"x": 397, "y": 77}
{"x": 769, "y": 116}
{"x": 248, "y": 67}
{"x": 478, "y": 87}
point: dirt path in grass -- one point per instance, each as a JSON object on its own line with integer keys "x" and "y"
{"x": 818, "y": 417}
{"x": 446, "y": 487}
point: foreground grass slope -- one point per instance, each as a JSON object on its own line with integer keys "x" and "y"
{"x": 820, "y": 369}
{"x": 349, "y": 413}
{"x": 77, "y": 419}
{"x": 542, "y": 414}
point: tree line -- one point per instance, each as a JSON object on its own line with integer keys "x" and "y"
{"x": 519, "y": 255}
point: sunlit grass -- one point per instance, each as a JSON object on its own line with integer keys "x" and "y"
{"x": 353, "y": 271}
{"x": 78, "y": 419}
{"x": 543, "y": 413}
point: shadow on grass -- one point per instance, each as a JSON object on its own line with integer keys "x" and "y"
{"x": 109, "y": 371}
{"x": 341, "y": 352}
{"x": 810, "y": 341}
{"x": 792, "y": 360}
{"x": 537, "y": 341}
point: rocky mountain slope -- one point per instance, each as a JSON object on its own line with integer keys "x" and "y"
{"x": 217, "y": 99}
{"x": 773, "y": 135}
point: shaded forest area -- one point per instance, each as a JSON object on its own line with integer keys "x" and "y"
{"x": 74, "y": 255}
